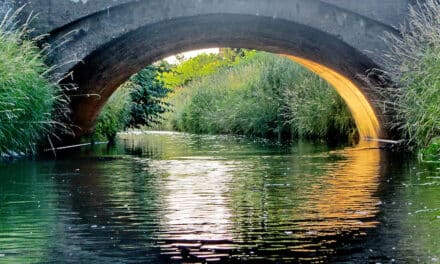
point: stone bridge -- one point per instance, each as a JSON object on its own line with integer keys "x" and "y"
{"x": 99, "y": 44}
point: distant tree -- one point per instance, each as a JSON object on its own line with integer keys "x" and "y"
{"x": 192, "y": 69}
{"x": 203, "y": 65}
{"x": 232, "y": 54}
{"x": 147, "y": 95}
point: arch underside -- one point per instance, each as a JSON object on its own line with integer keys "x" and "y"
{"x": 108, "y": 66}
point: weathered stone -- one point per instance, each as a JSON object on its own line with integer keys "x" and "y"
{"x": 5, "y": 7}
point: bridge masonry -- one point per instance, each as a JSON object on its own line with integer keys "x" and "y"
{"x": 53, "y": 15}
{"x": 7, "y": 6}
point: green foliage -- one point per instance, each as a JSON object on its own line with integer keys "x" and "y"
{"x": 265, "y": 96}
{"x": 27, "y": 98}
{"x": 147, "y": 95}
{"x": 202, "y": 66}
{"x": 420, "y": 100}
{"x": 414, "y": 64}
{"x": 431, "y": 153}
{"x": 115, "y": 114}
{"x": 138, "y": 102}
{"x": 194, "y": 68}
{"x": 235, "y": 55}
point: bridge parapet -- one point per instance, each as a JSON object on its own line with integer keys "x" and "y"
{"x": 389, "y": 12}
{"x": 53, "y": 14}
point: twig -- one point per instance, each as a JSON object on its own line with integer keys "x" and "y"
{"x": 385, "y": 140}
{"x": 74, "y": 146}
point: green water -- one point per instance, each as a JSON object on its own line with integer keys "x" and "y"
{"x": 180, "y": 198}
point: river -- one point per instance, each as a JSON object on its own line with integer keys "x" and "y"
{"x": 162, "y": 197}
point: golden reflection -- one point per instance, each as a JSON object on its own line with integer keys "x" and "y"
{"x": 366, "y": 120}
{"x": 344, "y": 200}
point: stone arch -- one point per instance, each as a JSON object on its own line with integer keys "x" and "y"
{"x": 105, "y": 47}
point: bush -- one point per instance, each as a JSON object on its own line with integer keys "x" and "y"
{"x": 265, "y": 96}
{"x": 203, "y": 65}
{"x": 192, "y": 69}
{"x": 27, "y": 98}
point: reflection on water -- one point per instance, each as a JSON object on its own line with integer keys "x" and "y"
{"x": 195, "y": 201}
{"x": 346, "y": 195}
{"x": 170, "y": 197}
{"x": 340, "y": 201}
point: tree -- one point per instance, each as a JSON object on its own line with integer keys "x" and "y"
{"x": 193, "y": 69}
{"x": 147, "y": 95}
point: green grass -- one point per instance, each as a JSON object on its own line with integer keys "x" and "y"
{"x": 27, "y": 97}
{"x": 265, "y": 96}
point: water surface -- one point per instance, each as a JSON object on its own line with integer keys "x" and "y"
{"x": 180, "y": 198}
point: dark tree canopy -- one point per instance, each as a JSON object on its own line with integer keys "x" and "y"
{"x": 147, "y": 96}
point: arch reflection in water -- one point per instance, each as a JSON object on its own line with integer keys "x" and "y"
{"x": 344, "y": 202}
{"x": 263, "y": 207}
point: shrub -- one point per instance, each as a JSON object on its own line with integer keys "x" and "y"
{"x": 431, "y": 153}
{"x": 115, "y": 115}
{"x": 203, "y": 65}
{"x": 138, "y": 102}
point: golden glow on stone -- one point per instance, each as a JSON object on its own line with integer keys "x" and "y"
{"x": 365, "y": 118}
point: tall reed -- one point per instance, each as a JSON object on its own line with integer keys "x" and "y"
{"x": 27, "y": 97}
{"x": 414, "y": 65}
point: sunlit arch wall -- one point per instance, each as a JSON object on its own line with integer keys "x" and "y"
{"x": 105, "y": 42}
{"x": 361, "y": 109}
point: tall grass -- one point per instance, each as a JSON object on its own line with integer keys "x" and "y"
{"x": 265, "y": 96}
{"x": 414, "y": 65}
{"x": 27, "y": 97}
